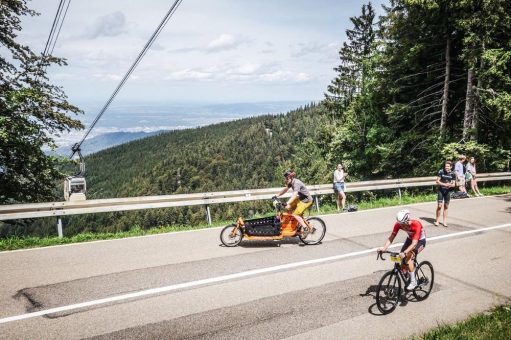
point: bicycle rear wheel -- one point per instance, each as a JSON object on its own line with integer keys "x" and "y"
{"x": 425, "y": 278}
{"x": 231, "y": 237}
{"x": 318, "y": 231}
{"x": 388, "y": 293}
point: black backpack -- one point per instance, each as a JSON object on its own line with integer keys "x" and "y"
{"x": 459, "y": 195}
{"x": 351, "y": 208}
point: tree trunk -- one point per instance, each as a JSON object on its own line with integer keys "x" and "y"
{"x": 469, "y": 107}
{"x": 445, "y": 97}
{"x": 477, "y": 99}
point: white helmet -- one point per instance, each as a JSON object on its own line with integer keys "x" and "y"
{"x": 403, "y": 216}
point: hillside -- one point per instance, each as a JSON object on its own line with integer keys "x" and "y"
{"x": 227, "y": 156}
{"x": 234, "y": 155}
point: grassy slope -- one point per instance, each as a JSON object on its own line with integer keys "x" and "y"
{"x": 494, "y": 324}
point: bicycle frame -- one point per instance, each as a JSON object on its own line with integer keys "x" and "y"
{"x": 404, "y": 276}
{"x": 279, "y": 226}
{"x": 288, "y": 222}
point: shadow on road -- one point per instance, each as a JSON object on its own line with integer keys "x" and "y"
{"x": 404, "y": 299}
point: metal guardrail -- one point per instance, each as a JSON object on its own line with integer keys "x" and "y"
{"x": 36, "y": 210}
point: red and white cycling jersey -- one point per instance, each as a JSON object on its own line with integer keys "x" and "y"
{"x": 416, "y": 231}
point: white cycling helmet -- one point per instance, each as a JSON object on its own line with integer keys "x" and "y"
{"x": 403, "y": 216}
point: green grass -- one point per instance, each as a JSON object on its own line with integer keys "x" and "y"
{"x": 15, "y": 242}
{"x": 494, "y": 324}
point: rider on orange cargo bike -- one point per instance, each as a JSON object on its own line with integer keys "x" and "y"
{"x": 299, "y": 201}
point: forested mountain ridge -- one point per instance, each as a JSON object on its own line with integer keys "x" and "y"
{"x": 234, "y": 155}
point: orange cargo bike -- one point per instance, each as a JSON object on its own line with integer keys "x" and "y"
{"x": 282, "y": 225}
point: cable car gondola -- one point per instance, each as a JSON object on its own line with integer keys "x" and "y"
{"x": 75, "y": 186}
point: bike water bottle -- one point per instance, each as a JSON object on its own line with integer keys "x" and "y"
{"x": 403, "y": 267}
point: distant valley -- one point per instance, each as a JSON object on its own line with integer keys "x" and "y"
{"x": 105, "y": 141}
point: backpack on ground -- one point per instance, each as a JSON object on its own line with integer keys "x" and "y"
{"x": 351, "y": 208}
{"x": 459, "y": 195}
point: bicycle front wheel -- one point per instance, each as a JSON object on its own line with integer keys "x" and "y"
{"x": 231, "y": 236}
{"x": 425, "y": 279}
{"x": 388, "y": 293}
{"x": 318, "y": 231}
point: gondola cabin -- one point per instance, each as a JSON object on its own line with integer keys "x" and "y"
{"x": 75, "y": 188}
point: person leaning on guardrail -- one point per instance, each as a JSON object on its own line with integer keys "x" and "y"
{"x": 471, "y": 176}
{"x": 460, "y": 169}
{"x": 445, "y": 181}
{"x": 340, "y": 196}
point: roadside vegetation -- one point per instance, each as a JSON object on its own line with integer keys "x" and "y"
{"x": 493, "y": 324}
{"x": 23, "y": 242}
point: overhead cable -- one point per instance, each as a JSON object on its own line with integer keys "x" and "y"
{"x": 57, "y": 24}
{"x": 155, "y": 34}
{"x": 60, "y": 28}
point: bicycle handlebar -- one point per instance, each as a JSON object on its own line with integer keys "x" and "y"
{"x": 380, "y": 254}
{"x": 277, "y": 204}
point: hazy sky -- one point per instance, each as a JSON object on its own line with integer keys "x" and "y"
{"x": 210, "y": 51}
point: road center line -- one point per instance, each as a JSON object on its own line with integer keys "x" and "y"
{"x": 223, "y": 278}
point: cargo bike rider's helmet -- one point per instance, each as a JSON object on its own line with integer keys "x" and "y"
{"x": 289, "y": 174}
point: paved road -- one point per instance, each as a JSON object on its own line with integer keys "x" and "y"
{"x": 185, "y": 285}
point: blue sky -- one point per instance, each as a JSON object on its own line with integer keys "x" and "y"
{"x": 221, "y": 51}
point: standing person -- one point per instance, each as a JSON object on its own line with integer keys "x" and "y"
{"x": 445, "y": 181}
{"x": 339, "y": 187}
{"x": 471, "y": 169}
{"x": 300, "y": 200}
{"x": 459, "y": 169}
{"x": 414, "y": 244}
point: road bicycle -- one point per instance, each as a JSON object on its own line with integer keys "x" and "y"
{"x": 389, "y": 288}
{"x": 282, "y": 225}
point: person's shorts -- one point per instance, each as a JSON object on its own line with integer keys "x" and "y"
{"x": 443, "y": 196}
{"x": 299, "y": 207}
{"x": 339, "y": 186}
{"x": 460, "y": 180}
{"x": 418, "y": 248}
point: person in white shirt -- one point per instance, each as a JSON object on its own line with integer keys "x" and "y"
{"x": 339, "y": 187}
{"x": 459, "y": 170}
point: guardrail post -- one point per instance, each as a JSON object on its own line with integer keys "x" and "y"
{"x": 317, "y": 203}
{"x": 59, "y": 227}
{"x": 208, "y": 214}
{"x": 399, "y": 181}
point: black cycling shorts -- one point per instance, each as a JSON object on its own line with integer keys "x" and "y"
{"x": 418, "y": 248}
{"x": 443, "y": 196}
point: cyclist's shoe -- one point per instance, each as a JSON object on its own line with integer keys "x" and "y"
{"x": 412, "y": 285}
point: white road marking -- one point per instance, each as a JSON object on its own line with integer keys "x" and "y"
{"x": 226, "y": 277}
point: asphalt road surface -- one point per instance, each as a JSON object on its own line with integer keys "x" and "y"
{"x": 186, "y": 286}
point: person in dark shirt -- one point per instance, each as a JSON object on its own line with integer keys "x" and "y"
{"x": 445, "y": 181}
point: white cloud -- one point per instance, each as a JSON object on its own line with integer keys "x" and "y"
{"x": 304, "y": 49}
{"x": 224, "y": 42}
{"x": 248, "y": 68}
{"x": 248, "y": 72}
{"x": 284, "y": 76}
{"x": 107, "y": 76}
{"x": 109, "y": 25}
{"x": 191, "y": 74}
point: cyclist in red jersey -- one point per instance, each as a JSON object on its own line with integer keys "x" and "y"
{"x": 414, "y": 244}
